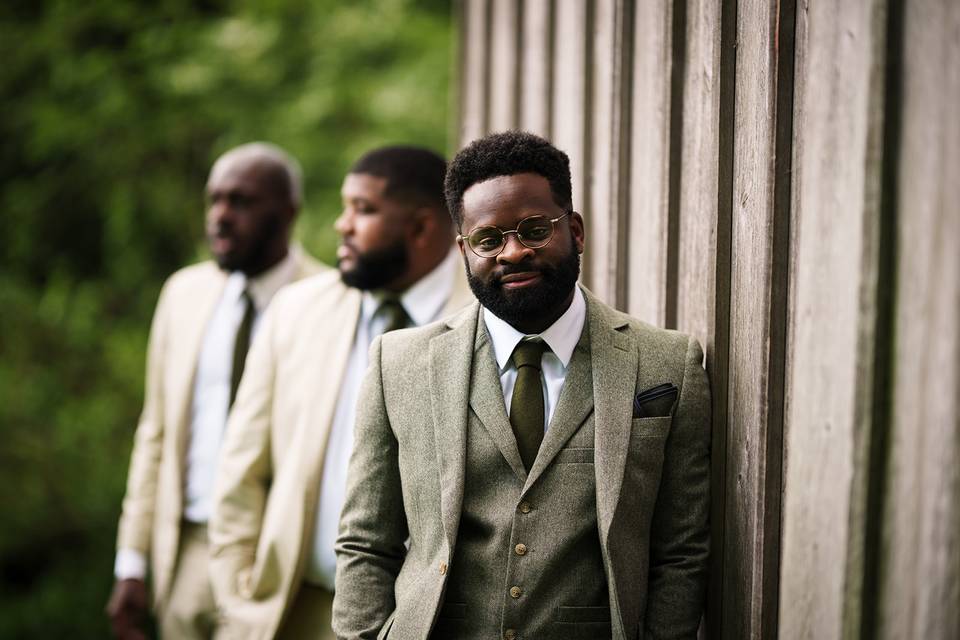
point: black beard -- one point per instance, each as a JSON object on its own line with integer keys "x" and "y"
{"x": 377, "y": 268}
{"x": 254, "y": 260}
{"x": 518, "y": 307}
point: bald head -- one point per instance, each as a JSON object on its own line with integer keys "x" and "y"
{"x": 278, "y": 168}
{"x": 253, "y": 194}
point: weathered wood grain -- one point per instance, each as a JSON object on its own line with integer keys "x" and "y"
{"x": 833, "y": 315}
{"x": 504, "y": 61}
{"x": 536, "y": 73}
{"x": 920, "y": 564}
{"x": 649, "y": 162}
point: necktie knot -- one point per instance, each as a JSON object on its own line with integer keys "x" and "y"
{"x": 395, "y": 314}
{"x": 528, "y": 353}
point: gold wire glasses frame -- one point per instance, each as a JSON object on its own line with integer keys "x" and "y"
{"x": 533, "y": 232}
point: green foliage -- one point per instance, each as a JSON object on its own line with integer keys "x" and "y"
{"x": 113, "y": 112}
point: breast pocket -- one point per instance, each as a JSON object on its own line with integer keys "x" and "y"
{"x": 643, "y": 429}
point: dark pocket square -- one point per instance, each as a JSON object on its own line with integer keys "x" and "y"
{"x": 655, "y": 402}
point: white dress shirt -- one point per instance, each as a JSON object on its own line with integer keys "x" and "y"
{"x": 423, "y": 302}
{"x": 562, "y": 338}
{"x": 211, "y": 394}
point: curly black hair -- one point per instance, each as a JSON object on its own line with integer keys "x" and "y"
{"x": 507, "y": 154}
{"x": 414, "y": 174}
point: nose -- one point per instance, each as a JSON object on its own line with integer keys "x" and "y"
{"x": 344, "y": 222}
{"x": 219, "y": 212}
{"x": 514, "y": 251}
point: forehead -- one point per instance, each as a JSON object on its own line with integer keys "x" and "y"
{"x": 506, "y": 199}
{"x": 363, "y": 186}
{"x": 237, "y": 173}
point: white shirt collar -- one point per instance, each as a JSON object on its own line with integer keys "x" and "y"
{"x": 423, "y": 301}
{"x": 562, "y": 336}
{"x": 263, "y": 286}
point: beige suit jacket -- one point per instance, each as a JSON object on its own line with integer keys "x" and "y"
{"x": 153, "y": 504}
{"x": 407, "y": 476}
{"x": 271, "y": 465}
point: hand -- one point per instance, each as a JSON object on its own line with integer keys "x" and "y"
{"x": 127, "y": 609}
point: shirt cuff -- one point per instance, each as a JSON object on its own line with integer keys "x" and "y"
{"x": 130, "y": 564}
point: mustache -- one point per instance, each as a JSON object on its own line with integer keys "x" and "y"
{"x": 496, "y": 279}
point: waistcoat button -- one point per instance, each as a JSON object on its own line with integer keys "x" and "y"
{"x": 524, "y": 507}
{"x": 515, "y": 592}
{"x": 521, "y": 549}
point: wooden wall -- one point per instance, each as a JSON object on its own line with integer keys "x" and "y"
{"x": 780, "y": 178}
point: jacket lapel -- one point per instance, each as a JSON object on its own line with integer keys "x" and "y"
{"x": 486, "y": 399}
{"x": 573, "y": 407}
{"x": 190, "y": 332}
{"x": 329, "y": 353}
{"x": 451, "y": 357}
{"x": 614, "y": 363}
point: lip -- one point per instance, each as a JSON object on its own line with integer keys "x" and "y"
{"x": 344, "y": 252}
{"x": 221, "y": 243}
{"x": 520, "y": 280}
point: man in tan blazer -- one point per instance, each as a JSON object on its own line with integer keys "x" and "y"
{"x": 535, "y": 467}
{"x": 283, "y": 470}
{"x": 201, "y": 329}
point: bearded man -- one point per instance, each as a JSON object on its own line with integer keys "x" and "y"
{"x": 537, "y": 466}
{"x": 284, "y": 462}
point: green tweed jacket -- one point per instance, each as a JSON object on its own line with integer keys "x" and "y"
{"x": 406, "y": 479}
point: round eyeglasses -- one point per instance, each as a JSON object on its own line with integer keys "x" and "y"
{"x": 533, "y": 232}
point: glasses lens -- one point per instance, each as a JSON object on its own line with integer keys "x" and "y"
{"x": 486, "y": 241}
{"x": 535, "y": 232}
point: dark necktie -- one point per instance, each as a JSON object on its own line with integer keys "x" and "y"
{"x": 396, "y": 315}
{"x": 526, "y": 404}
{"x": 241, "y": 344}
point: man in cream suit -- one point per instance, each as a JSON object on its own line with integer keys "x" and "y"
{"x": 535, "y": 467}
{"x": 283, "y": 470}
{"x": 201, "y": 329}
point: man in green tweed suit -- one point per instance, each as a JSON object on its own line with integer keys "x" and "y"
{"x": 536, "y": 466}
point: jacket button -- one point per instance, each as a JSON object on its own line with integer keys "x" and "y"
{"x": 524, "y": 507}
{"x": 510, "y": 634}
{"x": 521, "y": 549}
{"x": 443, "y": 568}
{"x": 515, "y": 592}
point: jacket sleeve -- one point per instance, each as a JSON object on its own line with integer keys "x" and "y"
{"x": 139, "y": 503}
{"x": 370, "y": 547}
{"x": 244, "y": 475}
{"x": 679, "y": 545}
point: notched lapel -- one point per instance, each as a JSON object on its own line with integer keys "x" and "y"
{"x": 486, "y": 399}
{"x": 614, "y": 364}
{"x": 573, "y": 407}
{"x": 451, "y": 356}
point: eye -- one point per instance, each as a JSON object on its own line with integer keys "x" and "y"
{"x": 486, "y": 239}
{"x": 536, "y": 230}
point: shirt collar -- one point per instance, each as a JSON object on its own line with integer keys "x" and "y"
{"x": 562, "y": 336}
{"x": 423, "y": 301}
{"x": 263, "y": 286}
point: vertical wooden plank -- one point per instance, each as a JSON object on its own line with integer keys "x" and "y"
{"x": 609, "y": 163}
{"x": 699, "y": 165}
{"x": 571, "y": 77}
{"x": 920, "y": 575}
{"x": 537, "y": 69}
{"x": 649, "y": 162}
{"x": 833, "y": 314}
{"x": 474, "y": 112}
{"x": 757, "y": 343}
{"x": 504, "y": 59}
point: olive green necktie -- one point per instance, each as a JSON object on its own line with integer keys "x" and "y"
{"x": 396, "y": 315}
{"x": 526, "y": 404}
{"x": 241, "y": 344}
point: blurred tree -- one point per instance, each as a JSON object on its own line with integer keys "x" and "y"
{"x": 113, "y": 112}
